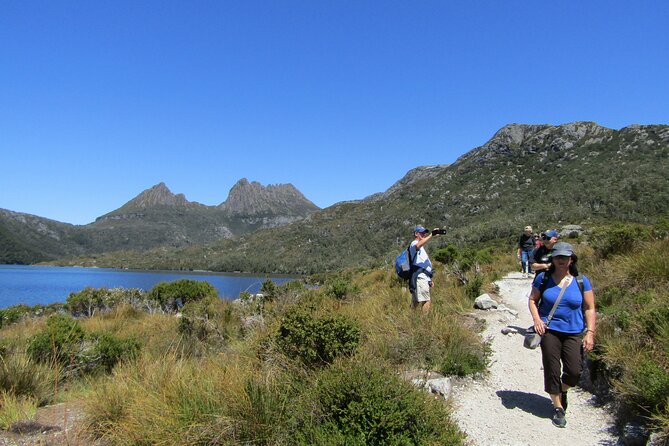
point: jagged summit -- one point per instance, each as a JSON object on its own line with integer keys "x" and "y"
{"x": 158, "y": 195}
{"x": 252, "y": 198}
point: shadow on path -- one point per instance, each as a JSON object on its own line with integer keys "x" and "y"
{"x": 539, "y": 406}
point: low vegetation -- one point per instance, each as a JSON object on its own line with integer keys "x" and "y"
{"x": 306, "y": 365}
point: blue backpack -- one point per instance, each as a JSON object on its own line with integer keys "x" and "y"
{"x": 404, "y": 264}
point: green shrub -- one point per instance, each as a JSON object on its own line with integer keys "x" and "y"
{"x": 269, "y": 290}
{"x": 109, "y": 350}
{"x": 649, "y": 384}
{"x": 474, "y": 286}
{"x": 13, "y": 314}
{"x": 86, "y": 302}
{"x": 618, "y": 239}
{"x": 209, "y": 318}
{"x": 172, "y": 295}
{"x": 466, "y": 258}
{"x": 317, "y": 341}
{"x": 447, "y": 255}
{"x": 59, "y": 342}
{"x": 340, "y": 288}
{"x": 363, "y": 404}
{"x": 91, "y": 300}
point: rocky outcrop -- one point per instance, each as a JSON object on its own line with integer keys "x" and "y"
{"x": 253, "y": 199}
{"x": 158, "y": 195}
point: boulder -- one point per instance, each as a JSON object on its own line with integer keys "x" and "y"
{"x": 485, "y": 302}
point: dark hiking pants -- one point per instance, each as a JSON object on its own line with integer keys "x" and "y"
{"x": 561, "y": 354}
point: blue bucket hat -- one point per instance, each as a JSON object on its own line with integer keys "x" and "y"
{"x": 420, "y": 229}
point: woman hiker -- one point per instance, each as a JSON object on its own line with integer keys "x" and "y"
{"x": 571, "y": 329}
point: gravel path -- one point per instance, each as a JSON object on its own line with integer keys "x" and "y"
{"x": 509, "y": 406}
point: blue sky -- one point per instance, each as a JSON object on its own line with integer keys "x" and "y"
{"x": 101, "y": 100}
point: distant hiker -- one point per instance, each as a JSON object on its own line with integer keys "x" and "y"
{"x": 537, "y": 241}
{"x": 569, "y": 330}
{"x": 540, "y": 259}
{"x": 421, "y": 279}
{"x": 525, "y": 248}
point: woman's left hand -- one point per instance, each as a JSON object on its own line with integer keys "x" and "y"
{"x": 588, "y": 341}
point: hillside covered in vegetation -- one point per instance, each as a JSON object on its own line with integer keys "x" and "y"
{"x": 319, "y": 366}
{"x": 542, "y": 175}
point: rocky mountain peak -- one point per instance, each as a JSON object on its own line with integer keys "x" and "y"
{"x": 252, "y": 198}
{"x": 519, "y": 139}
{"x": 158, "y": 195}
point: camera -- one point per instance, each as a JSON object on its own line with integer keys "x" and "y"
{"x": 438, "y": 232}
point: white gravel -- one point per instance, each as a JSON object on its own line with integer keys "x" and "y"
{"x": 509, "y": 406}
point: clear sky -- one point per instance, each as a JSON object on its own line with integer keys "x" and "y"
{"x": 100, "y": 100}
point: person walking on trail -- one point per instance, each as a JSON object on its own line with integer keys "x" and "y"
{"x": 525, "y": 248}
{"x": 537, "y": 241}
{"x": 540, "y": 259}
{"x": 571, "y": 328}
{"x": 421, "y": 278}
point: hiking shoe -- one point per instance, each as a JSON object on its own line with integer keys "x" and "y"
{"x": 559, "y": 419}
{"x": 563, "y": 398}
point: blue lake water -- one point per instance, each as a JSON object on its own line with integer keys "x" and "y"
{"x": 32, "y": 285}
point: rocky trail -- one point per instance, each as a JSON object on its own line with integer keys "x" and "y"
{"x": 509, "y": 407}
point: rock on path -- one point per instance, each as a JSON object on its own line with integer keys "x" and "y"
{"x": 509, "y": 406}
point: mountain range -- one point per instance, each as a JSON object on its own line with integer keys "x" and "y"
{"x": 543, "y": 175}
{"x": 154, "y": 218}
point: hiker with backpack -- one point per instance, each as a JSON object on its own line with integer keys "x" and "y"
{"x": 525, "y": 248}
{"x": 562, "y": 305}
{"x": 420, "y": 281}
{"x": 540, "y": 259}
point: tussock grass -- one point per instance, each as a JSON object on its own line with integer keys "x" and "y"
{"x": 15, "y": 408}
{"x": 22, "y": 377}
{"x": 631, "y": 291}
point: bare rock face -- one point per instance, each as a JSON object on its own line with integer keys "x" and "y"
{"x": 158, "y": 195}
{"x": 253, "y": 199}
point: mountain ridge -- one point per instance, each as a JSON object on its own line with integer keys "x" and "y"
{"x": 155, "y": 217}
{"x": 537, "y": 174}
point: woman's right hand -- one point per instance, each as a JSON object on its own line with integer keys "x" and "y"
{"x": 540, "y": 327}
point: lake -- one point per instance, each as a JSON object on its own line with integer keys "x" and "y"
{"x": 32, "y": 285}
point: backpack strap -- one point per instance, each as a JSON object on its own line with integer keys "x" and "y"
{"x": 412, "y": 261}
{"x": 544, "y": 284}
{"x": 579, "y": 282}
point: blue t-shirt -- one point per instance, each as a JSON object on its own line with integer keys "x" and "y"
{"x": 568, "y": 316}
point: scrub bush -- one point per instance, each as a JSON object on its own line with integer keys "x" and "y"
{"x": 618, "y": 239}
{"x": 59, "y": 342}
{"x": 317, "y": 342}
{"x": 64, "y": 343}
{"x": 364, "y": 404}
{"x": 109, "y": 350}
{"x": 340, "y": 288}
{"x": 90, "y": 300}
{"x": 172, "y": 295}
{"x": 208, "y": 319}
{"x": 13, "y": 314}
